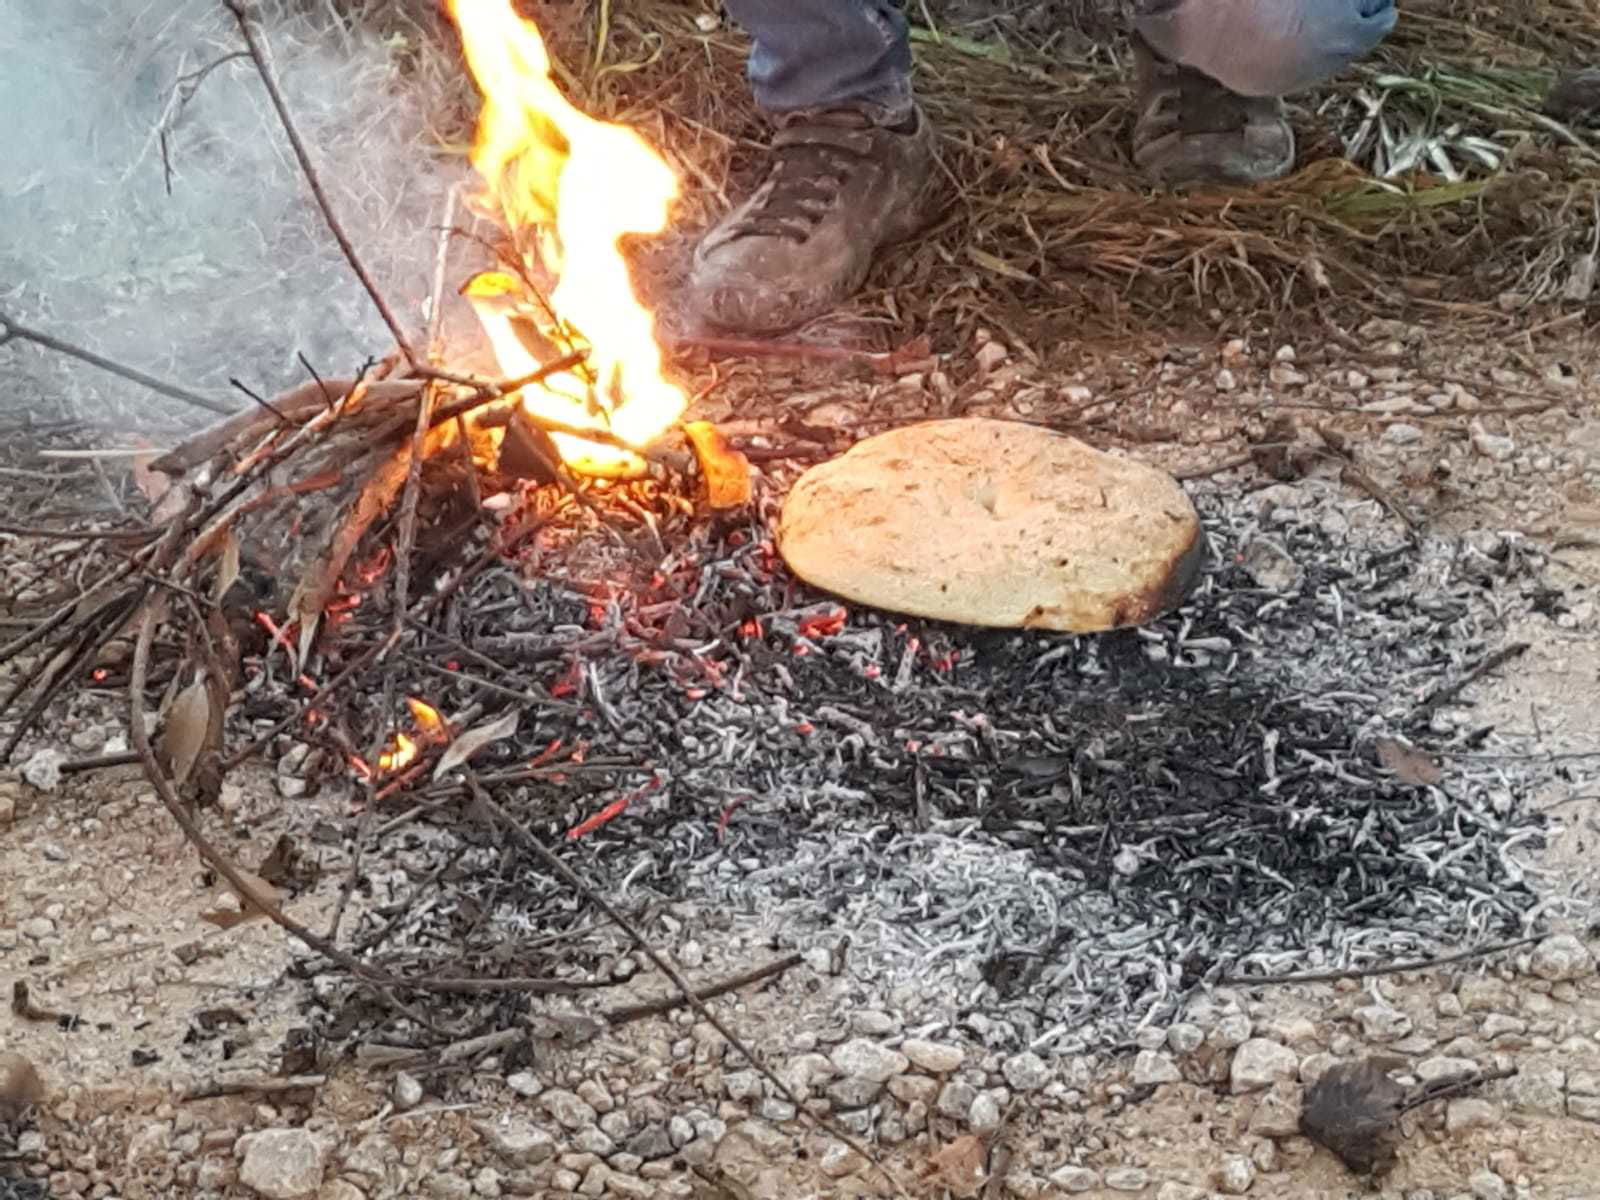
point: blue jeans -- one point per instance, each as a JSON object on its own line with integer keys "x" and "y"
{"x": 817, "y": 54}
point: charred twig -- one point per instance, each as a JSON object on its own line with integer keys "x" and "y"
{"x": 1353, "y": 473}
{"x": 914, "y": 356}
{"x": 1227, "y": 464}
{"x": 74, "y": 766}
{"x": 213, "y": 857}
{"x": 488, "y": 390}
{"x": 372, "y": 654}
{"x": 1419, "y": 964}
{"x": 23, "y": 1007}
{"x": 258, "y": 54}
{"x": 499, "y": 814}
{"x": 12, "y": 329}
{"x": 1445, "y": 693}
{"x": 634, "y": 1012}
{"x": 408, "y": 512}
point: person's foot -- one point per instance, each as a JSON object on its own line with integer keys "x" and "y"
{"x": 1191, "y": 129}
{"x": 838, "y": 189}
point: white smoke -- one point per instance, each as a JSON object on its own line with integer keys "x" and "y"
{"x": 232, "y": 272}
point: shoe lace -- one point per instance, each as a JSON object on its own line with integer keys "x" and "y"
{"x": 811, "y": 164}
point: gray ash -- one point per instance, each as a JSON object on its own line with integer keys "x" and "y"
{"x": 1051, "y": 839}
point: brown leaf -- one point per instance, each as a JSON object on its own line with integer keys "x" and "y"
{"x": 152, "y": 485}
{"x": 959, "y": 1166}
{"x": 474, "y": 740}
{"x": 1409, "y": 764}
{"x": 184, "y": 734}
{"x": 225, "y": 918}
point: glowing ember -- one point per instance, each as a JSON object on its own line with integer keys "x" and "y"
{"x": 580, "y": 185}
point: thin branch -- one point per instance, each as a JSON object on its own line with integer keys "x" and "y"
{"x": 408, "y": 509}
{"x": 651, "y": 1008}
{"x": 170, "y": 390}
{"x": 1446, "y": 693}
{"x": 258, "y": 54}
{"x": 1419, "y": 964}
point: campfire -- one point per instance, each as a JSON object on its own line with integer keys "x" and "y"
{"x": 547, "y": 617}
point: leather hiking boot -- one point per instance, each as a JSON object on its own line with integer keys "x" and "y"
{"x": 1191, "y": 129}
{"x": 838, "y": 189}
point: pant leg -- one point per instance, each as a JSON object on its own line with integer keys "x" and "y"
{"x": 811, "y": 54}
{"x": 1265, "y": 47}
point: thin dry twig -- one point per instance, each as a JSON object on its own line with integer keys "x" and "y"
{"x": 258, "y": 54}
{"x": 160, "y": 387}
{"x": 652, "y": 1008}
{"x": 1418, "y": 964}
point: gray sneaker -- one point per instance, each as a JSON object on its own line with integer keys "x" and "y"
{"x": 838, "y": 189}
{"x": 1191, "y": 129}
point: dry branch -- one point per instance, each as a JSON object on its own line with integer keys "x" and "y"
{"x": 258, "y": 54}
{"x": 160, "y": 387}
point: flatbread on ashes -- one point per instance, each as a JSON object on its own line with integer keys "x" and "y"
{"x": 995, "y": 523}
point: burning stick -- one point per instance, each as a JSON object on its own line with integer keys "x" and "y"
{"x": 727, "y": 471}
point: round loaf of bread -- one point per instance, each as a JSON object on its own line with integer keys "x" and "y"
{"x": 994, "y": 523}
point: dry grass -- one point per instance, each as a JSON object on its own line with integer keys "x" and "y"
{"x": 1430, "y": 181}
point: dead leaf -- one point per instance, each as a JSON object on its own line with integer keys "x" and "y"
{"x": 152, "y": 485}
{"x": 227, "y": 565}
{"x": 472, "y": 741}
{"x": 225, "y": 918}
{"x": 1409, "y": 764}
{"x": 958, "y": 1166}
{"x": 184, "y": 733}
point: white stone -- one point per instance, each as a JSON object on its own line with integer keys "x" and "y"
{"x": 519, "y": 1142}
{"x": 1468, "y": 1112}
{"x": 1235, "y": 1175}
{"x": 43, "y": 769}
{"x": 984, "y": 1114}
{"x": 525, "y": 1084}
{"x": 955, "y": 1100}
{"x": 567, "y": 1108}
{"x": 407, "y": 1091}
{"x": 1486, "y": 1185}
{"x": 870, "y": 1022}
{"x": 1277, "y": 1114}
{"x": 1185, "y": 1038}
{"x": 1561, "y": 958}
{"x": 1074, "y": 1179}
{"x": 869, "y": 1060}
{"x": 994, "y": 523}
{"x": 1025, "y": 1072}
{"x": 1259, "y": 1063}
{"x": 1152, "y": 1068}
{"x": 1382, "y": 1023}
{"x": 933, "y": 1057}
{"x": 1538, "y": 1087}
{"x": 282, "y": 1164}
{"x": 1127, "y": 1179}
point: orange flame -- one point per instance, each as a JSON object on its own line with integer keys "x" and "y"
{"x": 581, "y": 185}
{"x": 432, "y": 729}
